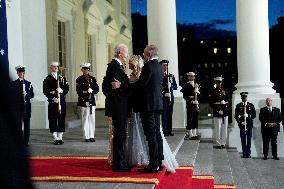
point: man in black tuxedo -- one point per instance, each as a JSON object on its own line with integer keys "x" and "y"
{"x": 270, "y": 118}
{"x": 116, "y": 88}
{"x": 150, "y": 83}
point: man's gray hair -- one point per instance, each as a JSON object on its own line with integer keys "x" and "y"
{"x": 119, "y": 48}
{"x": 152, "y": 50}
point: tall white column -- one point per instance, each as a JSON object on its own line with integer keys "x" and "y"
{"x": 253, "y": 64}
{"x": 161, "y": 23}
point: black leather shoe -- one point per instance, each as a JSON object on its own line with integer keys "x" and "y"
{"x": 121, "y": 169}
{"x": 166, "y": 134}
{"x": 248, "y": 156}
{"x": 60, "y": 142}
{"x": 264, "y": 158}
{"x": 87, "y": 140}
{"x": 161, "y": 167}
{"x": 149, "y": 169}
{"x": 223, "y": 146}
{"x": 219, "y": 147}
{"x": 92, "y": 140}
{"x": 276, "y": 158}
{"x": 172, "y": 134}
{"x": 56, "y": 142}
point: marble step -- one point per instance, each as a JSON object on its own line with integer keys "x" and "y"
{"x": 203, "y": 163}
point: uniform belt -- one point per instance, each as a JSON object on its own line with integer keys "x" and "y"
{"x": 52, "y": 92}
{"x": 191, "y": 96}
{"x": 85, "y": 91}
{"x": 219, "y": 103}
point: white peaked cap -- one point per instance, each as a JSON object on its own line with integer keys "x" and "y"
{"x": 190, "y": 73}
{"x": 20, "y": 67}
{"x": 218, "y": 78}
{"x": 54, "y": 63}
{"x": 85, "y": 65}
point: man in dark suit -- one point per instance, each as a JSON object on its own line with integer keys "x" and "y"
{"x": 191, "y": 93}
{"x": 116, "y": 88}
{"x": 169, "y": 84}
{"x": 270, "y": 118}
{"x": 55, "y": 87}
{"x": 24, "y": 94}
{"x": 150, "y": 83}
{"x": 244, "y": 115}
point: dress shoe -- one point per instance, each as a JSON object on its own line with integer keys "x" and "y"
{"x": 264, "y": 158}
{"x": 166, "y": 134}
{"x": 87, "y": 140}
{"x": 172, "y": 134}
{"x": 161, "y": 167}
{"x": 219, "y": 147}
{"x": 121, "y": 169}
{"x": 223, "y": 146}
{"x": 248, "y": 156}
{"x": 92, "y": 140}
{"x": 186, "y": 137}
{"x": 276, "y": 158}
{"x": 60, "y": 141}
{"x": 149, "y": 169}
{"x": 56, "y": 142}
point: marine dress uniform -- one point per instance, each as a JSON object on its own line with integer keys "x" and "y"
{"x": 244, "y": 115}
{"x": 87, "y": 87}
{"x": 55, "y": 88}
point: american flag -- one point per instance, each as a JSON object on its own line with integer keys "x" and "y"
{"x": 3, "y": 36}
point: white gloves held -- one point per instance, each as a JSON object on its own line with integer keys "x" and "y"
{"x": 90, "y": 90}
{"x": 223, "y": 102}
{"x": 246, "y": 115}
{"x": 196, "y": 91}
{"x": 220, "y": 112}
{"x": 56, "y": 100}
{"x": 195, "y": 102}
{"x": 59, "y": 90}
{"x": 168, "y": 95}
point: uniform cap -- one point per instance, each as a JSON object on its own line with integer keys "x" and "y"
{"x": 244, "y": 93}
{"x": 20, "y": 68}
{"x": 164, "y": 62}
{"x": 190, "y": 73}
{"x": 218, "y": 78}
{"x": 85, "y": 65}
{"x": 54, "y": 63}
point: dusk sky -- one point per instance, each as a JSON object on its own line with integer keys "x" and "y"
{"x": 220, "y": 13}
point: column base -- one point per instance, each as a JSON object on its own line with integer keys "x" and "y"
{"x": 179, "y": 113}
{"x": 39, "y": 118}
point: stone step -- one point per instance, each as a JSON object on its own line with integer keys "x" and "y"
{"x": 239, "y": 172}
{"x": 203, "y": 163}
{"x": 187, "y": 152}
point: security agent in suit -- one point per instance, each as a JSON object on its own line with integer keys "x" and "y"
{"x": 55, "y": 87}
{"x": 219, "y": 101}
{"x": 169, "y": 84}
{"x": 87, "y": 87}
{"x": 191, "y": 93}
{"x": 150, "y": 84}
{"x": 270, "y": 118}
{"x": 116, "y": 89}
{"x": 244, "y": 115}
{"x": 24, "y": 94}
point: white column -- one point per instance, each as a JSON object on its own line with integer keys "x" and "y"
{"x": 33, "y": 16}
{"x": 253, "y": 64}
{"x": 161, "y": 23}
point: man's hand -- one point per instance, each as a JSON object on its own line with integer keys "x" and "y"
{"x": 90, "y": 90}
{"x": 56, "y": 100}
{"x": 115, "y": 84}
{"x": 223, "y": 102}
{"x": 220, "y": 112}
{"x": 168, "y": 95}
{"x": 195, "y": 102}
{"x": 59, "y": 90}
{"x": 246, "y": 115}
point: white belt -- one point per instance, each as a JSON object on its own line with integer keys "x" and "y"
{"x": 220, "y": 103}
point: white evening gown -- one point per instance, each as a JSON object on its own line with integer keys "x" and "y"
{"x": 137, "y": 147}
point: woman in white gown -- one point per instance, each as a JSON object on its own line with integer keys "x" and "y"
{"x": 137, "y": 148}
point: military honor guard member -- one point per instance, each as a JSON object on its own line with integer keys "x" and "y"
{"x": 244, "y": 115}
{"x": 55, "y": 88}
{"x": 270, "y": 118}
{"x": 219, "y": 102}
{"x": 87, "y": 88}
{"x": 24, "y": 92}
{"x": 191, "y": 93}
{"x": 169, "y": 84}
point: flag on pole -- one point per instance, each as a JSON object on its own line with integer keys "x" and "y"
{"x": 3, "y": 37}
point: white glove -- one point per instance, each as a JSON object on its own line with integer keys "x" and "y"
{"x": 87, "y": 104}
{"x": 59, "y": 90}
{"x": 24, "y": 93}
{"x": 167, "y": 94}
{"x": 90, "y": 90}
{"x": 223, "y": 102}
{"x": 195, "y": 102}
{"x": 220, "y": 112}
{"x": 246, "y": 115}
{"x": 56, "y": 100}
{"x": 196, "y": 91}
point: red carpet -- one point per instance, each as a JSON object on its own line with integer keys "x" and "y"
{"x": 85, "y": 169}
{"x": 202, "y": 182}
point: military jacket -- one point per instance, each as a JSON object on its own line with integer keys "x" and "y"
{"x": 216, "y": 96}
{"x": 188, "y": 93}
{"x": 240, "y": 111}
{"x": 50, "y": 85}
{"x": 83, "y": 83}
{"x": 166, "y": 88}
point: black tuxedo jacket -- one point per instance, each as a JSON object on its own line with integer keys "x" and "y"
{"x": 265, "y": 116}
{"x": 150, "y": 83}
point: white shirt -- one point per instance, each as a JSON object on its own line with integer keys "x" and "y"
{"x": 192, "y": 83}
{"x": 118, "y": 61}
{"x": 54, "y": 74}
